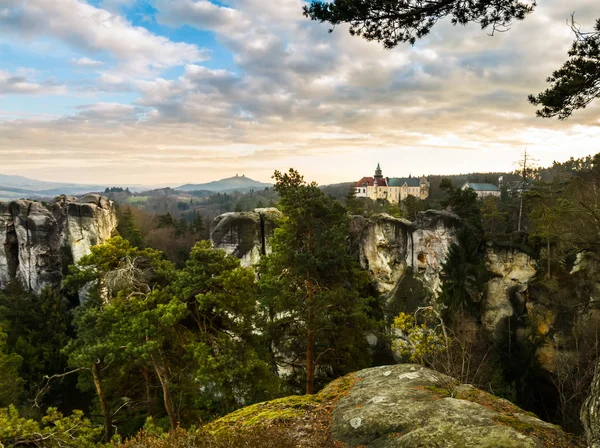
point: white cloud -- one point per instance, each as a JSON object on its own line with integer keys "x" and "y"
{"x": 86, "y": 62}
{"x": 22, "y": 83}
{"x": 81, "y": 25}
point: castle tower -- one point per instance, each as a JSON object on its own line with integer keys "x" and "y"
{"x": 378, "y": 174}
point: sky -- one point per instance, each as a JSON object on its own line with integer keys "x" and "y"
{"x": 166, "y": 92}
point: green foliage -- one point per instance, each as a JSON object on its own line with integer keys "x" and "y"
{"x": 191, "y": 330}
{"x": 36, "y": 328}
{"x": 311, "y": 285}
{"x": 464, "y": 204}
{"x": 55, "y": 430}
{"x": 128, "y": 229}
{"x": 11, "y": 385}
{"x": 577, "y": 83}
{"x": 495, "y": 221}
{"x": 354, "y": 205}
{"x": 391, "y": 23}
{"x": 464, "y": 270}
{"x": 418, "y": 340}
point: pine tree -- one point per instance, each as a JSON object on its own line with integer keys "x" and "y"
{"x": 128, "y": 230}
{"x": 353, "y": 204}
{"x": 318, "y": 317}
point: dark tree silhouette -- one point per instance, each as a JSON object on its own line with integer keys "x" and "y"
{"x": 394, "y": 22}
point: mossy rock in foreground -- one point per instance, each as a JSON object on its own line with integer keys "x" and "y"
{"x": 400, "y": 406}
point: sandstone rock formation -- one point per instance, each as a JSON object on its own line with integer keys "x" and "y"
{"x": 245, "y": 235}
{"x": 388, "y": 246}
{"x": 35, "y": 237}
{"x": 403, "y": 405}
{"x": 505, "y": 293}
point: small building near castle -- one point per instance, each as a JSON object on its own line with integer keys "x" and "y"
{"x": 393, "y": 189}
{"x": 483, "y": 190}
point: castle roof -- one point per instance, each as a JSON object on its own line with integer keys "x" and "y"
{"x": 369, "y": 181}
{"x": 481, "y": 187}
{"x": 399, "y": 181}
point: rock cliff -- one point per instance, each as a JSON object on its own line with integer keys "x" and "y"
{"x": 388, "y": 246}
{"x": 402, "y": 405}
{"x": 37, "y": 238}
{"x": 245, "y": 235}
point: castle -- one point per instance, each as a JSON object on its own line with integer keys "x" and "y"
{"x": 393, "y": 189}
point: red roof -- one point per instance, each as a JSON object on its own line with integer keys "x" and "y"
{"x": 368, "y": 181}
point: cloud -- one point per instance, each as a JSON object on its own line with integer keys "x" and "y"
{"x": 83, "y": 26}
{"x": 295, "y": 95}
{"x": 86, "y": 62}
{"x": 22, "y": 83}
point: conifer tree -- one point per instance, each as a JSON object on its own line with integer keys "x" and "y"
{"x": 318, "y": 317}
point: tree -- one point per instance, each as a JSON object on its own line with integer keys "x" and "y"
{"x": 128, "y": 229}
{"x": 394, "y": 22}
{"x": 198, "y": 225}
{"x": 464, "y": 269}
{"x": 221, "y": 299}
{"x": 111, "y": 271}
{"x": 55, "y": 431}
{"x": 36, "y": 328}
{"x": 577, "y": 83}
{"x": 354, "y": 205}
{"x": 464, "y": 204}
{"x": 11, "y": 385}
{"x": 548, "y": 215}
{"x": 410, "y": 206}
{"x": 318, "y": 318}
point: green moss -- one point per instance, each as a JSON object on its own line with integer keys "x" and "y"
{"x": 488, "y": 400}
{"x": 442, "y": 392}
{"x": 517, "y": 424}
{"x": 282, "y": 409}
{"x": 285, "y": 409}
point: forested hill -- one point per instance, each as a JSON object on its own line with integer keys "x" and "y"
{"x": 230, "y": 184}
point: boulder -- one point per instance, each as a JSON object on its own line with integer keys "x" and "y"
{"x": 403, "y": 405}
{"x": 245, "y": 235}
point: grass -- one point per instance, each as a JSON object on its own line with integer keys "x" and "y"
{"x": 138, "y": 199}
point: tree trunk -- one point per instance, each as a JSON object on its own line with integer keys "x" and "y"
{"x": 163, "y": 377}
{"x": 310, "y": 324}
{"x": 310, "y": 337}
{"x": 103, "y": 403}
{"x": 548, "y": 256}
{"x": 310, "y": 356}
{"x": 146, "y": 375}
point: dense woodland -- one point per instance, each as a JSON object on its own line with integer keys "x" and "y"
{"x": 170, "y": 337}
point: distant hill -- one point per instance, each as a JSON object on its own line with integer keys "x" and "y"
{"x": 229, "y": 185}
{"x": 16, "y": 187}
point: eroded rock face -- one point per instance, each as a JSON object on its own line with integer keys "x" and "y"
{"x": 590, "y": 412}
{"x": 506, "y": 292}
{"x": 34, "y": 237}
{"x": 245, "y": 235}
{"x": 388, "y": 246}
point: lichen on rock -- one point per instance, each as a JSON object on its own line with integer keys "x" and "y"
{"x": 403, "y": 405}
